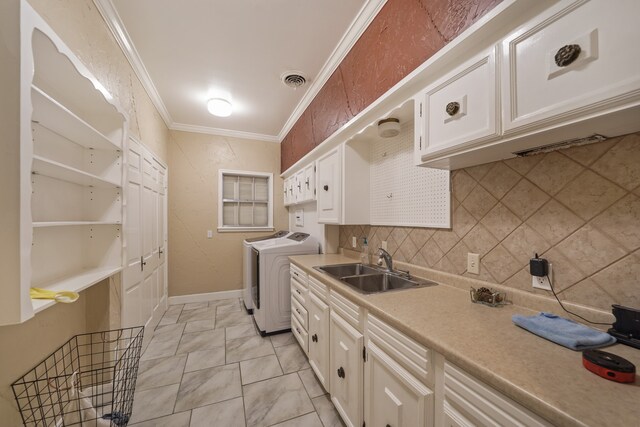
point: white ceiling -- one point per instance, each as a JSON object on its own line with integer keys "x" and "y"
{"x": 187, "y": 51}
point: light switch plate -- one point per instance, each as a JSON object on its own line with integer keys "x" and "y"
{"x": 473, "y": 263}
{"x": 209, "y": 234}
{"x": 299, "y": 214}
{"x": 354, "y": 242}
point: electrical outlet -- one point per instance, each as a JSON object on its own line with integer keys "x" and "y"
{"x": 383, "y": 245}
{"x": 354, "y": 241}
{"x": 473, "y": 263}
{"x": 542, "y": 282}
{"x": 209, "y": 234}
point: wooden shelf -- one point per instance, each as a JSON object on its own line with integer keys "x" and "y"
{"x": 76, "y": 283}
{"x": 52, "y": 169}
{"x": 43, "y": 224}
{"x": 56, "y": 117}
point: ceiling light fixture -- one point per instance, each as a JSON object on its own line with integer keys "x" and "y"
{"x": 219, "y": 107}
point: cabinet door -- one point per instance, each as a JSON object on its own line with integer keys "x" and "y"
{"x": 345, "y": 369}
{"x": 577, "y": 57}
{"x": 460, "y": 109}
{"x": 329, "y": 187}
{"x": 298, "y": 187}
{"x": 319, "y": 338}
{"x": 285, "y": 185}
{"x": 393, "y": 397}
{"x": 309, "y": 184}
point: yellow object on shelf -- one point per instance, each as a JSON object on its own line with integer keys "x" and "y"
{"x": 58, "y": 296}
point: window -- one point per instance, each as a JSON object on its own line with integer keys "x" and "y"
{"x": 245, "y": 201}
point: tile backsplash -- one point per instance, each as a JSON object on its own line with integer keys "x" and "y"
{"x": 578, "y": 207}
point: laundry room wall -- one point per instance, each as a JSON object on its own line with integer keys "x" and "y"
{"x": 82, "y": 28}
{"x": 198, "y": 264}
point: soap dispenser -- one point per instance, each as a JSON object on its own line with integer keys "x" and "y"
{"x": 364, "y": 256}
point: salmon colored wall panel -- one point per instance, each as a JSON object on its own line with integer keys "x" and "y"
{"x": 403, "y": 35}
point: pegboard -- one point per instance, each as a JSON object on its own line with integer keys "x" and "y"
{"x": 403, "y": 194}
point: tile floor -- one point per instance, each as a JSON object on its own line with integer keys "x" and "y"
{"x": 208, "y": 366}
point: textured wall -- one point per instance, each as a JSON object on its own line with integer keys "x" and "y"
{"x": 198, "y": 264}
{"x": 403, "y": 35}
{"x": 579, "y": 208}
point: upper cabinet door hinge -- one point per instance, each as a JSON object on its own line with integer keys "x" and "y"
{"x": 364, "y": 353}
{"x": 421, "y": 142}
{"x": 421, "y": 109}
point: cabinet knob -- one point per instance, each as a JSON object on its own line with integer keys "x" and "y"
{"x": 341, "y": 372}
{"x": 567, "y": 54}
{"x": 299, "y": 187}
{"x": 307, "y": 182}
{"x": 299, "y": 312}
{"x": 452, "y": 108}
{"x": 314, "y": 338}
{"x": 326, "y": 188}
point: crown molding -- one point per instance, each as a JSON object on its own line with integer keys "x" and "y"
{"x": 357, "y": 27}
{"x": 111, "y": 17}
{"x": 224, "y": 132}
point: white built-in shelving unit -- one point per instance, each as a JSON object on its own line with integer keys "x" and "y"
{"x": 72, "y": 138}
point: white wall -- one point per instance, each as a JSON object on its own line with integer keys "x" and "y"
{"x": 327, "y": 235}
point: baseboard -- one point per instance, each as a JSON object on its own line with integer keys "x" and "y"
{"x": 210, "y": 296}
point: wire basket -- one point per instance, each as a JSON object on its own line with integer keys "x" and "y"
{"x": 89, "y": 381}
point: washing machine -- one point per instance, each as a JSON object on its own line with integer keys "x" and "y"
{"x": 246, "y": 266}
{"x": 270, "y": 279}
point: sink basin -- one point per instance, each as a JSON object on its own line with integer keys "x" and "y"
{"x": 370, "y": 279}
{"x": 383, "y": 282}
{"x": 343, "y": 270}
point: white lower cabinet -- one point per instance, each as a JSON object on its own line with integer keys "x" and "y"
{"x": 346, "y": 366}
{"x": 468, "y": 402}
{"x": 393, "y": 397}
{"x": 398, "y": 378}
{"x": 319, "y": 338}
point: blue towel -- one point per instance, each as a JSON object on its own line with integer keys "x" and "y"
{"x": 563, "y": 331}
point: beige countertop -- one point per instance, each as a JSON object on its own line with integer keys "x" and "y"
{"x": 545, "y": 377}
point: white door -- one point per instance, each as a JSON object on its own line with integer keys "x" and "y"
{"x": 346, "y": 370}
{"x": 144, "y": 276}
{"x": 393, "y": 397}
{"x": 132, "y": 273}
{"x": 329, "y": 187}
{"x": 319, "y": 338}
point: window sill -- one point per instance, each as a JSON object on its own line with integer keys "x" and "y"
{"x": 243, "y": 229}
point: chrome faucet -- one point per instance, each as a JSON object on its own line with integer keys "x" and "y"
{"x": 388, "y": 260}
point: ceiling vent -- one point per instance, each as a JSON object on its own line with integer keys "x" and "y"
{"x": 293, "y": 79}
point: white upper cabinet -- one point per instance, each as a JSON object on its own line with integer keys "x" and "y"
{"x": 309, "y": 184}
{"x": 330, "y": 187}
{"x": 68, "y": 178}
{"x": 300, "y": 187}
{"x": 566, "y": 73}
{"x": 579, "y": 56}
{"x": 459, "y": 109}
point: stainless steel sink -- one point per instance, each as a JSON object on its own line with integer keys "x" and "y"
{"x": 383, "y": 282}
{"x": 344, "y": 270}
{"x": 370, "y": 279}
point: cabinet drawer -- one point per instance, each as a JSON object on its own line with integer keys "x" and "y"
{"x": 319, "y": 289}
{"x": 300, "y": 313}
{"x": 414, "y": 357}
{"x": 478, "y": 404}
{"x": 299, "y": 292}
{"x": 607, "y": 66}
{"x": 349, "y": 311}
{"x": 298, "y": 273}
{"x": 461, "y": 108}
{"x": 301, "y": 335}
